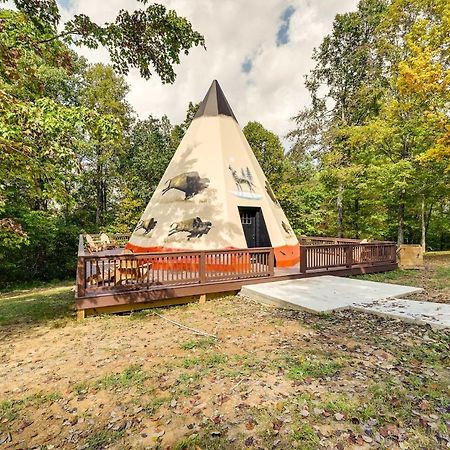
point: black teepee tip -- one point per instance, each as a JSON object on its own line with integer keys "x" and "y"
{"x": 215, "y": 103}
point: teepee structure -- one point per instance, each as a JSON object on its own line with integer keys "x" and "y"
{"x": 214, "y": 194}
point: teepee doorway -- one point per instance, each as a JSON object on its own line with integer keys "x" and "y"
{"x": 254, "y": 227}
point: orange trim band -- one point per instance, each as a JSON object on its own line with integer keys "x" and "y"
{"x": 285, "y": 256}
{"x": 214, "y": 263}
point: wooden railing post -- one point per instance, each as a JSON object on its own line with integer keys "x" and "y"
{"x": 81, "y": 269}
{"x": 271, "y": 262}
{"x": 81, "y": 276}
{"x": 303, "y": 261}
{"x": 394, "y": 253}
{"x": 349, "y": 255}
{"x": 202, "y": 267}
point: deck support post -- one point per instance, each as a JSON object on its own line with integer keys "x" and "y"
{"x": 303, "y": 258}
{"x": 81, "y": 277}
{"x": 202, "y": 268}
{"x": 349, "y": 256}
{"x": 81, "y": 314}
{"x": 271, "y": 262}
{"x": 202, "y": 299}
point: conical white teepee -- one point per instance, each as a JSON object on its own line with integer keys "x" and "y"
{"x": 214, "y": 194}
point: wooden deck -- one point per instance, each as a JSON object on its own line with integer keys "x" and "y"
{"x": 110, "y": 280}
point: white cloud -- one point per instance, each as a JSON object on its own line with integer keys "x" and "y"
{"x": 271, "y": 93}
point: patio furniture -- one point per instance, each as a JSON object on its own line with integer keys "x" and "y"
{"x": 106, "y": 242}
{"x": 93, "y": 246}
{"x": 131, "y": 271}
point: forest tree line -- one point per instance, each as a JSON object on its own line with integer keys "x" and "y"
{"x": 369, "y": 158}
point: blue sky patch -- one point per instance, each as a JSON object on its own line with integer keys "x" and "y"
{"x": 66, "y": 4}
{"x": 247, "y": 65}
{"x": 283, "y": 31}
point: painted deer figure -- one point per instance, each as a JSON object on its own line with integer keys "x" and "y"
{"x": 242, "y": 179}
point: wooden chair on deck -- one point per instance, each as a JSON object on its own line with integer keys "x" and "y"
{"x": 107, "y": 242}
{"x": 92, "y": 246}
{"x": 128, "y": 271}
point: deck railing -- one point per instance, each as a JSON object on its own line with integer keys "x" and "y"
{"x": 313, "y": 240}
{"x": 152, "y": 271}
{"x": 111, "y": 271}
{"x": 346, "y": 255}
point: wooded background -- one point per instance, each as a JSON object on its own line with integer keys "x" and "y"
{"x": 369, "y": 158}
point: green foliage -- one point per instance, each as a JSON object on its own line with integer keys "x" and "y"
{"x": 66, "y": 161}
{"x": 376, "y": 130}
{"x": 303, "y": 204}
{"x": 268, "y": 151}
{"x": 103, "y": 92}
{"x": 151, "y": 150}
{"x": 152, "y": 144}
{"x": 47, "y": 253}
{"x": 149, "y": 39}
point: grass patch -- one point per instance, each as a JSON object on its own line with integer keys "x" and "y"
{"x": 208, "y": 441}
{"x": 41, "y": 398}
{"x": 435, "y": 277}
{"x": 188, "y": 443}
{"x": 33, "y": 306}
{"x": 188, "y": 377}
{"x": 438, "y": 253}
{"x": 10, "y": 409}
{"x": 18, "y": 287}
{"x": 203, "y": 343}
{"x": 139, "y": 315}
{"x": 189, "y": 363}
{"x": 244, "y": 365}
{"x": 131, "y": 376}
{"x": 154, "y": 404}
{"x": 394, "y": 276}
{"x": 102, "y": 439}
{"x": 434, "y": 353}
{"x": 81, "y": 388}
{"x": 206, "y": 361}
{"x": 297, "y": 368}
{"x": 214, "y": 360}
{"x": 305, "y": 438}
{"x": 341, "y": 404}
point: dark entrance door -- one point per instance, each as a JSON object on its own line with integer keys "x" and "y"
{"x": 254, "y": 227}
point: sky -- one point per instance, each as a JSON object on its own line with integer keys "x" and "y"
{"x": 259, "y": 51}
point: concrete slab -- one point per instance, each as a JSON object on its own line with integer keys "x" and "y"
{"x": 435, "y": 314}
{"x": 323, "y": 294}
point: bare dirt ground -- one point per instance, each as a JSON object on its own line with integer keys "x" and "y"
{"x": 272, "y": 379}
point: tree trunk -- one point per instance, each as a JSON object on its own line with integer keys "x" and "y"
{"x": 356, "y": 221}
{"x": 401, "y": 208}
{"x": 401, "y": 219}
{"x": 424, "y": 230}
{"x": 104, "y": 207}
{"x": 340, "y": 212}
{"x": 428, "y": 218}
{"x": 99, "y": 196}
